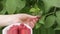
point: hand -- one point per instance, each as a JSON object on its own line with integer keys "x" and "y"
{"x": 28, "y": 19}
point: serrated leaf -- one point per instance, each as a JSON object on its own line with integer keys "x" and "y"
{"x": 58, "y": 17}
{"x": 51, "y": 3}
{"x": 11, "y": 6}
{"x": 49, "y": 21}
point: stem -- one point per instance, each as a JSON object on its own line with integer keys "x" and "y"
{"x": 52, "y": 12}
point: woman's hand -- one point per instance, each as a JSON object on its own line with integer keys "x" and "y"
{"x": 28, "y": 19}
{"x": 18, "y": 18}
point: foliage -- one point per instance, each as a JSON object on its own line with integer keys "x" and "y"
{"x": 48, "y": 10}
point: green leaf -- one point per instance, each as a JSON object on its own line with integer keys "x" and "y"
{"x": 11, "y": 6}
{"x": 37, "y": 25}
{"x": 58, "y": 17}
{"x": 3, "y": 11}
{"x": 33, "y": 10}
{"x": 58, "y": 20}
{"x": 49, "y": 21}
{"x": 57, "y": 28}
{"x": 14, "y": 5}
{"x": 51, "y": 3}
{"x": 20, "y": 4}
{"x": 41, "y": 21}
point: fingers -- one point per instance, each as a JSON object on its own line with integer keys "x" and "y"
{"x": 29, "y": 19}
{"x": 30, "y": 24}
{"x": 32, "y": 21}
